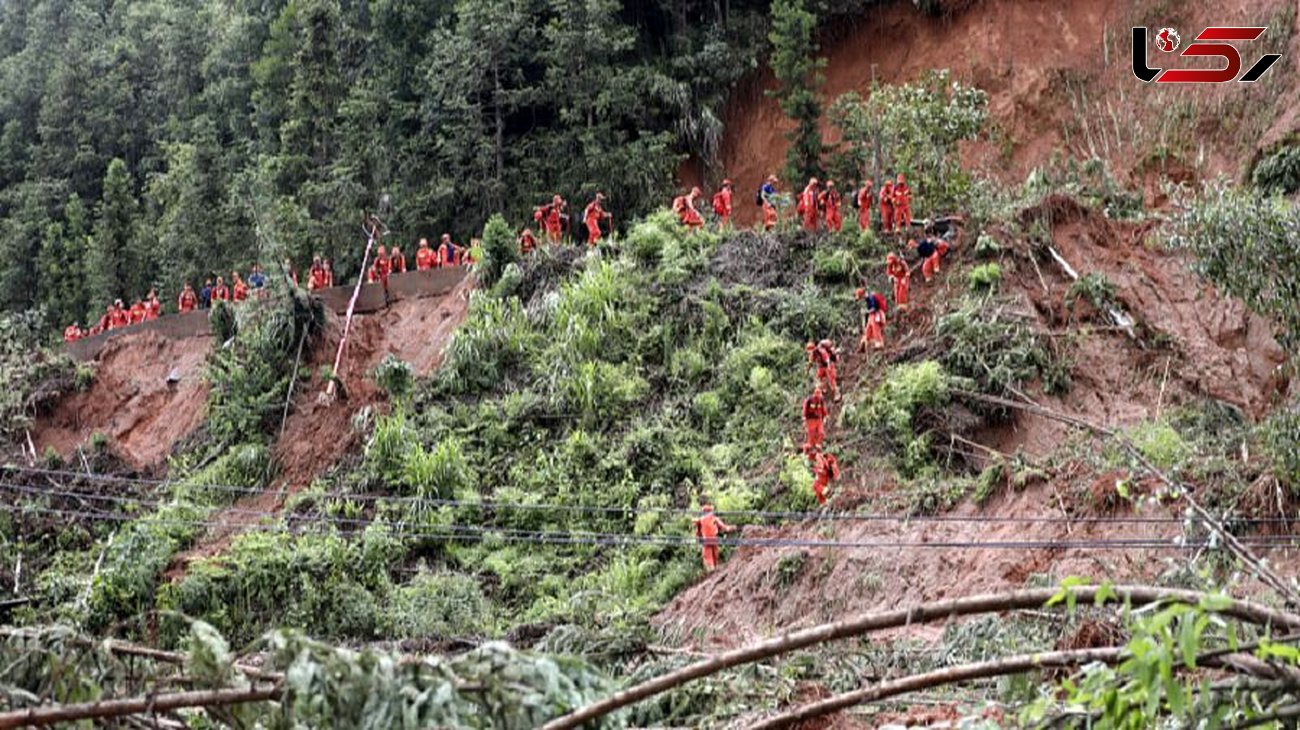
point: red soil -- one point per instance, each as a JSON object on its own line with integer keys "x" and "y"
{"x": 131, "y": 402}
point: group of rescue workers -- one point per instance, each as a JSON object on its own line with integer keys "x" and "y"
{"x": 819, "y": 206}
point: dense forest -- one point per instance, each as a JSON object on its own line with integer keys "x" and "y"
{"x": 146, "y": 143}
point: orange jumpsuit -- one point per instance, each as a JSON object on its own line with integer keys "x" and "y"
{"x": 220, "y": 293}
{"x": 551, "y": 216}
{"x": 425, "y": 258}
{"x": 71, "y": 333}
{"x": 814, "y": 419}
{"x": 830, "y": 202}
{"x": 826, "y": 469}
{"x": 902, "y": 206}
{"x": 865, "y": 199}
{"x": 527, "y": 242}
{"x": 137, "y": 313}
{"x": 874, "y": 334}
{"x": 240, "y": 291}
{"x": 379, "y": 271}
{"x": 899, "y": 272}
{"x": 316, "y": 277}
{"x": 722, "y": 206}
{"x": 592, "y": 215}
{"x": 152, "y": 309}
{"x": 825, "y": 358}
{"x": 187, "y": 301}
{"x": 707, "y": 527}
{"x": 684, "y": 207}
{"x": 807, "y": 208}
{"x": 887, "y": 207}
{"x": 397, "y": 263}
{"x": 933, "y": 250}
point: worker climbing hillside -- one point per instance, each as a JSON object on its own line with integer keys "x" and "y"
{"x": 830, "y": 201}
{"x": 814, "y": 420}
{"x": 687, "y": 213}
{"x": 593, "y": 215}
{"x": 722, "y": 205}
{"x": 873, "y": 319}
{"x": 188, "y": 300}
{"x": 902, "y": 204}
{"x": 824, "y": 356}
{"x": 863, "y": 202}
{"x": 527, "y": 241}
{"x": 901, "y": 275}
{"x": 552, "y": 218}
{"x": 767, "y": 196}
{"x": 807, "y": 205}
{"x": 887, "y": 206}
{"x": 932, "y": 251}
{"x": 707, "y": 528}
{"x": 826, "y": 471}
{"x": 425, "y": 258}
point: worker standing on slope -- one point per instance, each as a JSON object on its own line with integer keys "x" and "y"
{"x": 188, "y": 300}
{"x": 823, "y": 356}
{"x": 863, "y": 202}
{"x": 425, "y": 258}
{"x": 932, "y": 251}
{"x": 901, "y": 274}
{"x": 707, "y": 527}
{"x": 527, "y": 241}
{"x": 873, "y": 319}
{"x": 687, "y": 213}
{"x": 722, "y": 205}
{"x": 593, "y": 215}
{"x": 814, "y": 421}
{"x": 887, "y": 206}
{"x": 238, "y": 289}
{"x": 767, "y": 198}
{"x": 830, "y": 203}
{"x": 807, "y": 205}
{"x": 826, "y": 471}
{"x": 552, "y": 218}
{"x": 902, "y": 204}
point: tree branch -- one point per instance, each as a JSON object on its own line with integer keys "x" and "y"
{"x": 137, "y": 705}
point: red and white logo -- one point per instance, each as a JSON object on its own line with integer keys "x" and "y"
{"x": 1213, "y": 42}
{"x": 1167, "y": 40}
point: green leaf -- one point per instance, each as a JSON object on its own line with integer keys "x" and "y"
{"x": 1188, "y": 642}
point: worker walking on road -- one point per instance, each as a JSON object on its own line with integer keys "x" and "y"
{"x": 722, "y": 205}
{"x": 826, "y": 471}
{"x": 814, "y": 421}
{"x": 593, "y": 216}
{"x": 767, "y": 198}
{"x": 707, "y": 528}
{"x": 830, "y": 201}
{"x": 901, "y": 274}
{"x": 864, "y": 201}
{"x": 902, "y": 204}
{"x": 824, "y": 357}
{"x": 873, "y": 320}
{"x": 807, "y": 205}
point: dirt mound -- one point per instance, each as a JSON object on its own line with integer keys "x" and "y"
{"x": 148, "y": 393}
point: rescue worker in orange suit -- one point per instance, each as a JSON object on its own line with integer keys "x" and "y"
{"x": 397, "y": 261}
{"x": 707, "y": 527}
{"x": 188, "y": 300}
{"x": 932, "y": 251}
{"x": 902, "y": 204}
{"x": 105, "y": 320}
{"x": 552, "y": 217}
{"x": 722, "y": 205}
{"x": 425, "y": 257}
{"x": 684, "y": 207}
{"x": 830, "y": 202}
{"x": 117, "y": 315}
{"x": 592, "y": 216}
{"x": 767, "y": 197}
{"x": 381, "y": 267}
{"x": 873, "y": 319}
{"x": 864, "y": 201}
{"x": 814, "y": 420}
{"x": 448, "y": 254}
{"x": 72, "y": 333}
{"x": 328, "y": 266}
{"x": 901, "y": 274}
{"x": 826, "y": 471}
{"x": 220, "y": 292}
{"x": 527, "y": 241}
{"x": 238, "y": 289}
{"x": 136, "y": 313}
{"x": 807, "y": 205}
{"x": 316, "y": 274}
{"x": 152, "y": 307}
{"x": 823, "y": 356}
{"x": 887, "y": 206}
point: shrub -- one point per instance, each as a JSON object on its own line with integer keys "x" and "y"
{"x": 985, "y": 278}
{"x": 1094, "y": 288}
{"x": 1279, "y": 171}
{"x": 495, "y": 338}
{"x": 1282, "y": 440}
{"x": 439, "y": 605}
{"x": 986, "y": 247}
{"x": 836, "y": 265}
{"x": 893, "y": 411}
{"x": 395, "y": 377}
{"x": 999, "y": 353}
{"x": 499, "y": 250}
{"x": 1160, "y": 444}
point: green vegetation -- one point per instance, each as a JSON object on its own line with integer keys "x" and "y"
{"x": 798, "y": 71}
{"x": 1279, "y": 171}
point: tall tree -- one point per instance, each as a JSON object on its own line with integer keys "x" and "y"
{"x": 113, "y": 265}
{"x": 61, "y": 265}
{"x": 798, "y": 72}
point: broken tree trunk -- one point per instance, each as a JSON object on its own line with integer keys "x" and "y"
{"x": 1121, "y": 320}
{"x": 136, "y": 705}
{"x": 347, "y": 320}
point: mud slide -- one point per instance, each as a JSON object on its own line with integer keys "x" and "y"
{"x": 316, "y": 435}
{"x": 148, "y": 393}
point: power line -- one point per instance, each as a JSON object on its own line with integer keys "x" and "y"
{"x": 638, "y": 510}
{"x": 479, "y": 533}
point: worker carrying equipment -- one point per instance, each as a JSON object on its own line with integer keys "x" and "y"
{"x": 722, "y": 204}
{"x": 707, "y": 527}
{"x": 824, "y": 357}
{"x": 814, "y": 420}
{"x": 826, "y": 471}
{"x": 873, "y": 319}
{"x": 901, "y": 274}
